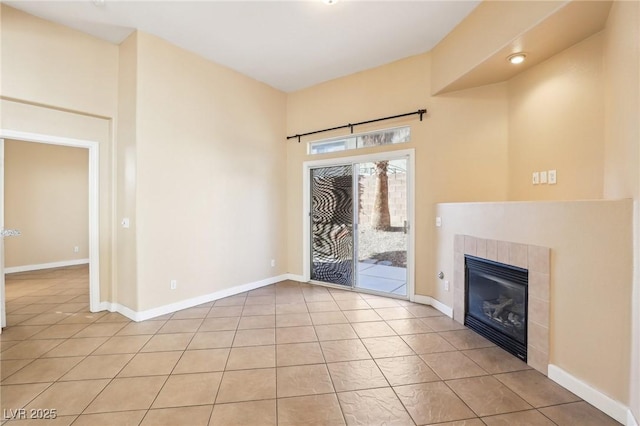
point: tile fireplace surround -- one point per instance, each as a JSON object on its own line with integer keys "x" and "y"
{"x": 534, "y": 258}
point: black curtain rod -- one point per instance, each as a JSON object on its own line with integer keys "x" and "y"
{"x": 420, "y": 112}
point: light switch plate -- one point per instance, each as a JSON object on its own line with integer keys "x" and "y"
{"x": 543, "y": 177}
{"x": 553, "y": 178}
{"x": 536, "y": 178}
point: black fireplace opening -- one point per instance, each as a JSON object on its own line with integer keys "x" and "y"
{"x": 496, "y": 303}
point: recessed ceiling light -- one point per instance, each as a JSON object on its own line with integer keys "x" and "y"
{"x": 330, "y": 2}
{"x": 98, "y": 3}
{"x": 517, "y": 58}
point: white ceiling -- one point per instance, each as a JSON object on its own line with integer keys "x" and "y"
{"x": 289, "y": 45}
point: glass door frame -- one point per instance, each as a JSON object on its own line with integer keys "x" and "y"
{"x": 409, "y": 155}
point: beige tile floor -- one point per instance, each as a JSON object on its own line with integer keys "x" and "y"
{"x": 286, "y": 354}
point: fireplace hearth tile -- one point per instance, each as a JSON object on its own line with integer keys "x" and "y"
{"x": 492, "y": 250}
{"x": 539, "y": 311}
{"x": 539, "y": 285}
{"x": 538, "y": 359}
{"x": 539, "y": 259}
{"x": 481, "y": 247}
{"x": 458, "y": 276}
{"x": 503, "y": 252}
{"x": 518, "y": 255}
{"x": 470, "y": 245}
{"x": 538, "y": 336}
{"x": 534, "y": 258}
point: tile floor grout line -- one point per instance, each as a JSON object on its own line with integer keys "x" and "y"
{"x": 461, "y": 399}
{"x": 224, "y": 369}
{"x": 546, "y": 417}
{"x": 112, "y": 379}
{"x": 322, "y": 318}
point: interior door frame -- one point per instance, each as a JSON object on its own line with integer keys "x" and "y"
{"x": 3, "y": 310}
{"x": 94, "y": 219}
{"x": 409, "y": 154}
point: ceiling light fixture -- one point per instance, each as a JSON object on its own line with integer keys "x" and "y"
{"x": 330, "y": 2}
{"x": 517, "y": 58}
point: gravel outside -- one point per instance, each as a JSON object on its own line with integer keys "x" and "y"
{"x": 382, "y": 247}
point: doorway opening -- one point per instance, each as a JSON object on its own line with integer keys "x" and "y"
{"x": 93, "y": 223}
{"x": 357, "y": 225}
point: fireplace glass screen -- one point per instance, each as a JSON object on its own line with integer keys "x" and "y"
{"x": 496, "y": 303}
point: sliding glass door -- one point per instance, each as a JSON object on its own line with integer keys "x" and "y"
{"x": 359, "y": 225}
{"x": 382, "y": 238}
{"x": 332, "y": 234}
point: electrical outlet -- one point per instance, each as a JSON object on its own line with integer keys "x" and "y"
{"x": 552, "y": 177}
{"x": 446, "y": 285}
{"x": 273, "y": 263}
{"x": 535, "y": 178}
{"x": 76, "y": 249}
{"x": 174, "y": 284}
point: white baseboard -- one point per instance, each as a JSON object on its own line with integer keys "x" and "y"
{"x": 121, "y": 309}
{"x": 28, "y": 268}
{"x": 607, "y": 405}
{"x": 294, "y": 277}
{"x": 426, "y": 300}
{"x": 188, "y": 303}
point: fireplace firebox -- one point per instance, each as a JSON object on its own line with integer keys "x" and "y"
{"x": 496, "y": 303}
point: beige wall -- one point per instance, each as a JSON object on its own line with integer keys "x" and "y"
{"x": 47, "y": 199}
{"x": 622, "y": 144}
{"x": 556, "y": 121}
{"x": 460, "y": 147}
{"x": 126, "y": 290}
{"x": 621, "y": 101}
{"x": 57, "y": 66}
{"x": 591, "y": 254}
{"x": 211, "y": 189}
{"x": 60, "y": 82}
